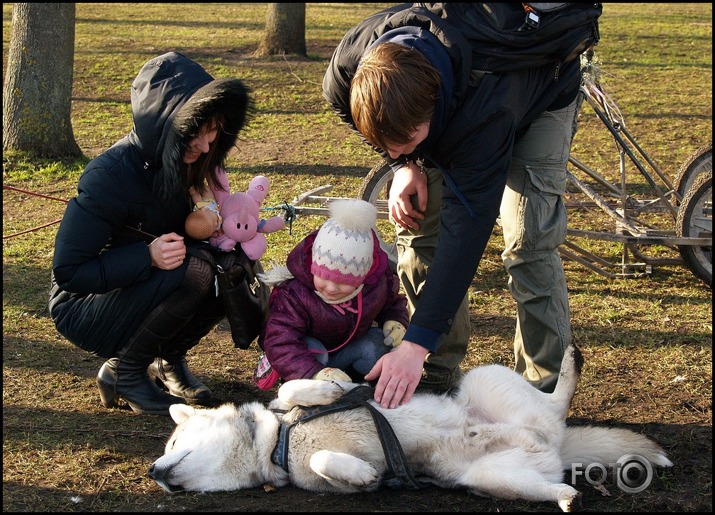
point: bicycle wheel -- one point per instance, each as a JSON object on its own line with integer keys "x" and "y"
{"x": 700, "y": 161}
{"x": 375, "y": 189}
{"x": 695, "y": 219}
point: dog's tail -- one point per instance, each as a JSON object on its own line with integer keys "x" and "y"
{"x": 584, "y": 445}
{"x": 571, "y": 365}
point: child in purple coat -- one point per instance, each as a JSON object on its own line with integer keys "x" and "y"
{"x": 335, "y": 308}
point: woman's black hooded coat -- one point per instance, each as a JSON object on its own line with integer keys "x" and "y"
{"x": 103, "y": 284}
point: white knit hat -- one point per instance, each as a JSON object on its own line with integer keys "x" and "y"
{"x": 343, "y": 247}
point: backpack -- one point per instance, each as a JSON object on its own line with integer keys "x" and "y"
{"x": 514, "y": 36}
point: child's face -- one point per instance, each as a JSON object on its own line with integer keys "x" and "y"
{"x": 331, "y": 290}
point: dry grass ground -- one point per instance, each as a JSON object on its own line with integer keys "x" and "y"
{"x": 647, "y": 342}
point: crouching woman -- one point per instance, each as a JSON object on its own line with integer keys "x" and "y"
{"x": 143, "y": 304}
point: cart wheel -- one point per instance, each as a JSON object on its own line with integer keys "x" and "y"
{"x": 695, "y": 220}
{"x": 700, "y": 161}
{"x": 375, "y": 189}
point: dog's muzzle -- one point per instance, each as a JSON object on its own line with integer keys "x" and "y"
{"x": 159, "y": 475}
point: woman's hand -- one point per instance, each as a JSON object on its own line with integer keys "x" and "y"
{"x": 408, "y": 181}
{"x": 167, "y": 251}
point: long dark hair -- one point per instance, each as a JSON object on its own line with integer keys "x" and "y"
{"x": 204, "y": 169}
{"x": 222, "y": 101}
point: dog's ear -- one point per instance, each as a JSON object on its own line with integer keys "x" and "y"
{"x": 180, "y": 412}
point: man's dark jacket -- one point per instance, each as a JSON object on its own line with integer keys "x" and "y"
{"x": 476, "y": 130}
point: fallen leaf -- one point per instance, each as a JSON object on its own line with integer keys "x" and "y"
{"x": 604, "y": 491}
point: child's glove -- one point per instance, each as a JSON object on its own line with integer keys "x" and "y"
{"x": 332, "y": 374}
{"x": 393, "y": 332}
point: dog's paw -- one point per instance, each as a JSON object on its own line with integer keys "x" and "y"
{"x": 309, "y": 392}
{"x": 338, "y": 467}
{"x": 570, "y": 500}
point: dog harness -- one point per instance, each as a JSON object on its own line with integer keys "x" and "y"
{"x": 355, "y": 398}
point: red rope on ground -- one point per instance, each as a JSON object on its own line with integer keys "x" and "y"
{"x": 32, "y": 230}
{"x": 32, "y": 193}
{"x": 36, "y": 195}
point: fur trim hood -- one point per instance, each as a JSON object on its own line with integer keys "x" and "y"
{"x": 172, "y": 96}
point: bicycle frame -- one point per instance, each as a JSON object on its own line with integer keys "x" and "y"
{"x": 623, "y": 208}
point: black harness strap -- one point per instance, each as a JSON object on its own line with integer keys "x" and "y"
{"x": 393, "y": 450}
{"x": 357, "y": 397}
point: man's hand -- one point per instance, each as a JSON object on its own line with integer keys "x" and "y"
{"x": 408, "y": 181}
{"x": 393, "y": 331}
{"x": 399, "y": 373}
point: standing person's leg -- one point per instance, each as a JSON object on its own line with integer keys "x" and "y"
{"x": 533, "y": 218}
{"x": 415, "y": 253}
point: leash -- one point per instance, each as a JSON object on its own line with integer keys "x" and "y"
{"x": 289, "y": 217}
{"x": 11, "y": 188}
{"x": 355, "y": 398}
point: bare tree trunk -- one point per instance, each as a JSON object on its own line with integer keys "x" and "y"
{"x": 37, "y": 94}
{"x": 285, "y": 30}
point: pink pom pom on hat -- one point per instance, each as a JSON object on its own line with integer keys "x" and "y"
{"x": 343, "y": 247}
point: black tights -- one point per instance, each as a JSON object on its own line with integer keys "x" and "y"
{"x": 195, "y": 290}
{"x": 185, "y": 316}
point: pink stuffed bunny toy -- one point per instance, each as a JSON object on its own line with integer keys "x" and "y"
{"x": 242, "y": 222}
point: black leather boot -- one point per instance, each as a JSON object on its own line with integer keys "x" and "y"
{"x": 125, "y": 377}
{"x": 171, "y": 369}
{"x": 173, "y": 372}
{"x": 168, "y": 331}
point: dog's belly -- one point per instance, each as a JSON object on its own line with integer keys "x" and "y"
{"x": 453, "y": 437}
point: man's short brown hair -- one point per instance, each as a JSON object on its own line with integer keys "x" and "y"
{"x": 393, "y": 91}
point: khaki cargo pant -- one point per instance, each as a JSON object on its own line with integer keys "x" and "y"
{"x": 533, "y": 219}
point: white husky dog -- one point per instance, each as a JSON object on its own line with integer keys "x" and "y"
{"x": 496, "y": 435}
